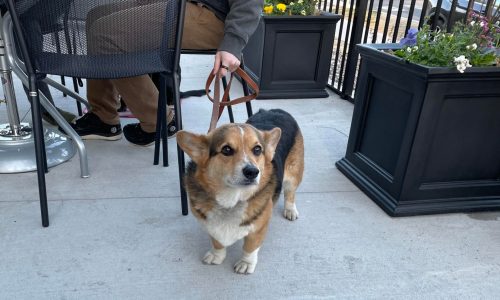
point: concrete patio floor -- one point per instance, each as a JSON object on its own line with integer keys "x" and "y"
{"x": 120, "y": 235}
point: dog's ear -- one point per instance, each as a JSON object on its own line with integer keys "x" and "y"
{"x": 195, "y": 145}
{"x": 271, "y": 138}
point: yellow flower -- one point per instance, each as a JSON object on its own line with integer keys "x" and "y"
{"x": 281, "y": 7}
{"x": 268, "y": 9}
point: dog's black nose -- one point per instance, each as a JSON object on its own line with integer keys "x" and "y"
{"x": 250, "y": 171}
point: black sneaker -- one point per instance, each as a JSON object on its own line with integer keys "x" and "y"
{"x": 90, "y": 127}
{"x": 134, "y": 134}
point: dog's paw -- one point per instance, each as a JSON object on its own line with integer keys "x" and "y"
{"x": 291, "y": 212}
{"x": 214, "y": 256}
{"x": 244, "y": 267}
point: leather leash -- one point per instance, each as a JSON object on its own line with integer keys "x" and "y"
{"x": 218, "y": 103}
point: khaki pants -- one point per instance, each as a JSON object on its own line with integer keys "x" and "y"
{"x": 202, "y": 30}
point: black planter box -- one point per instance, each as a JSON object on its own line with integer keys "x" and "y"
{"x": 424, "y": 140}
{"x": 290, "y": 56}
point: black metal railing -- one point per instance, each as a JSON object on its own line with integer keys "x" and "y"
{"x": 387, "y": 21}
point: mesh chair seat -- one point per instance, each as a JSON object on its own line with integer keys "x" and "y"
{"x": 44, "y": 20}
{"x": 99, "y": 67}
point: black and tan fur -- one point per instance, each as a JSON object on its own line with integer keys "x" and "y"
{"x": 236, "y": 174}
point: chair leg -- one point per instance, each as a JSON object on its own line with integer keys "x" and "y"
{"x": 246, "y": 92}
{"x": 156, "y": 158}
{"x": 41, "y": 163}
{"x": 44, "y": 154}
{"x": 229, "y": 108}
{"x": 180, "y": 153}
{"x": 164, "y": 130}
{"x": 159, "y": 121}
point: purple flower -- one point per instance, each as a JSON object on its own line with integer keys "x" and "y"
{"x": 411, "y": 38}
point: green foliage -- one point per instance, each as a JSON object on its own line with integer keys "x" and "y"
{"x": 474, "y": 43}
{"x": 290, "y": 7}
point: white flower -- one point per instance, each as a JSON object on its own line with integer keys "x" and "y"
{"x": 303, "y": 12}
{"x": 291, "y": 4}
{"x": 300, "y": 1}
{"x": 408, "y": 49}
{"x": 472, "y": 23}
{"x": 459, "y": 59}
{"x": 462, "y": 63}
{"x": 471, "y": 47}
{"x": 415, "y": 48}
{"x": 497, "y": 23}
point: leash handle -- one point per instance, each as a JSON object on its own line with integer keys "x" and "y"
{"x": 218, "y": 103}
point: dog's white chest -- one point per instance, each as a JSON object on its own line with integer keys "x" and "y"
{"x": 223, "y": 224}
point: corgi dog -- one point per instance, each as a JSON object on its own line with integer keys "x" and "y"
{"x": 235, "y": 177}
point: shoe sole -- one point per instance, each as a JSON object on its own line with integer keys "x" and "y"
{"x": 101, "y": 137}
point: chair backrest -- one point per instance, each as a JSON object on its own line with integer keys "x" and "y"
{"x": 101, "y": 38}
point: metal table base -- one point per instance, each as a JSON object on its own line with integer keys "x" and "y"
{"x": 17, "y": 153}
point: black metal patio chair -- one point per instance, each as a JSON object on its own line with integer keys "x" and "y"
{"x": 42, "y": 57}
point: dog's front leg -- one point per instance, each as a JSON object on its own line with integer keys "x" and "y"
{"x": 251, "y": 246}
{"x": 216, "y": 255}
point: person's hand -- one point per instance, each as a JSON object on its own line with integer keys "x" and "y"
{"x": 225, "y": 61}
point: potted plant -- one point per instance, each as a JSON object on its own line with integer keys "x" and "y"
{"x": 290, "y": 52}
{"x": 425, "y": 133}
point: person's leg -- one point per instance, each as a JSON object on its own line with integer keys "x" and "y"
{"x": 202, "y": 29}
{"x": 111, "y": 34}
{"x": 133, "y": 29}
{"x": 141, "y": 97}
{"x": 107, "y": 9}
{"x": 103, "y": 100}
{"x": 94, "y": 88}
{"x": 103, "y": 120}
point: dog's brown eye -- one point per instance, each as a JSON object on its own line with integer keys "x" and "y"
{"x": 227, "y": 151}
{"x": 257, "y": 150}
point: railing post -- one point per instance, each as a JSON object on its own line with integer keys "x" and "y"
{"x": 352, "y": 59}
